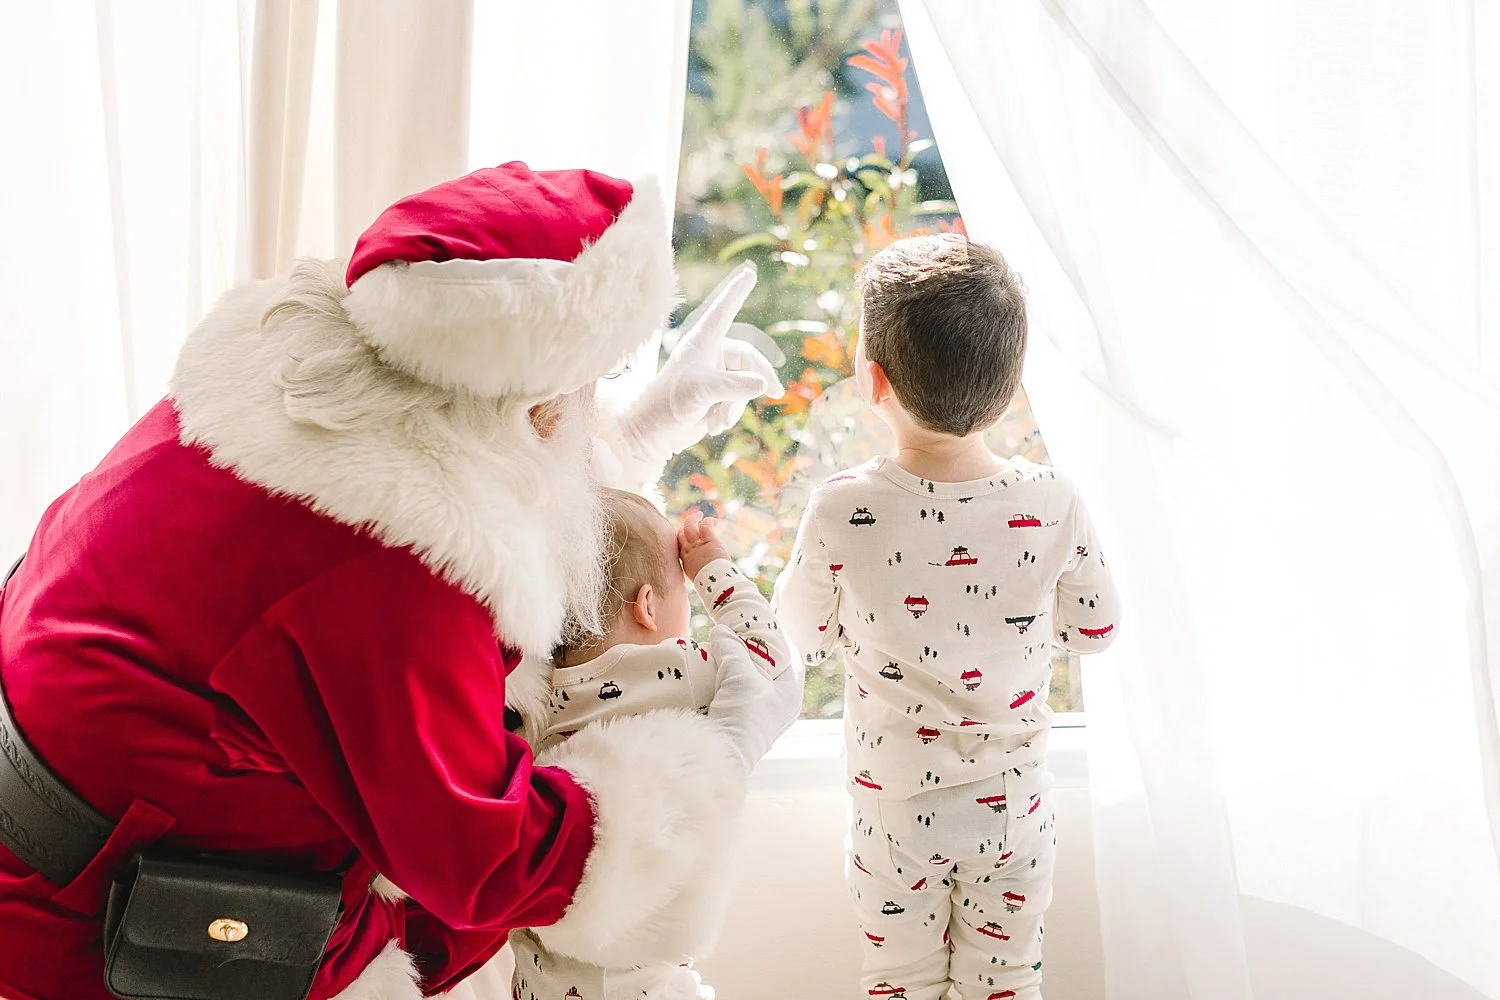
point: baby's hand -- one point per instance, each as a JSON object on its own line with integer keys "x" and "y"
{"x": 697, "y": 544}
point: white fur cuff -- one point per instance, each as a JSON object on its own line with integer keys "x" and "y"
{"x": 667, "y": 789}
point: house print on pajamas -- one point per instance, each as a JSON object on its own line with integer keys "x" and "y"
{"x": 971, "y": 679}
{"x": 916, "y": 605}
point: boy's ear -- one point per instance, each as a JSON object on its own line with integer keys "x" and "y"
{"x": 880, "y": 385}
{"x": 643, "y": 608}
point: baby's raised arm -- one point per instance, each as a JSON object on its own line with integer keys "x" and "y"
{"x": 732, "y": 599}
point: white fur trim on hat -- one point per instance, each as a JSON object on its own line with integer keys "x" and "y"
{"x": 667, "y": 790}
{"x": 524, "y": 327}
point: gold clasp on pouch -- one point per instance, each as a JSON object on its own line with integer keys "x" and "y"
{"x": 228, "y": 930}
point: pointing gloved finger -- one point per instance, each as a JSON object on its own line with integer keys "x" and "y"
{"x": 705, "y": 328}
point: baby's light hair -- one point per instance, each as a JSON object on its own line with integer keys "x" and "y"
{"x": 633, "y": 557}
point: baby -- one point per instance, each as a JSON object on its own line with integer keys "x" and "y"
{"x": 945, "y": 573}
{"x": 643, "y": 662}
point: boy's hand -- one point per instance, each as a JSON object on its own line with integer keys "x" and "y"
{"x": 697, "y": 544}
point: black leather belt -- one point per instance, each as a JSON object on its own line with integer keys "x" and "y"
{"x": 42, "y": 821}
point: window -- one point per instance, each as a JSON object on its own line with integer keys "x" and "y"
{"x": 805, "y": 148}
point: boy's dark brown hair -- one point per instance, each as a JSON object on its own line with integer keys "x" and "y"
{"x": 946, "y": 319}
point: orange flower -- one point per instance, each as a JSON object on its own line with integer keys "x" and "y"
{"x": 880, "y": 234}
{"x": 767, "y": 472}
{"x": 769, "y": 187}
{"x": 814, "y": 125}
{"x": 801, "y": 393}
{"x": 956, "y": 226}
{"x": 824, "y": 349}
{"x": 884, "y": 62}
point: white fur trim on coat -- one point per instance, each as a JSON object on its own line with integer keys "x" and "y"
{"x": 391, "y": 976}
{"x": 667, "y": 789}
{"x": 300, "y": 406}
{"x": 523, "y": 326}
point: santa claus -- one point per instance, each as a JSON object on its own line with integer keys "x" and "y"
{"x": 280, "y": 621}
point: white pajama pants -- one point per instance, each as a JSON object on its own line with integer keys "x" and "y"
{"x": 542, "y": 975}
{"x": 950, "y": 886}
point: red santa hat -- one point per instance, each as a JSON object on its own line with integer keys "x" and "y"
{"x": 513, "y": 281}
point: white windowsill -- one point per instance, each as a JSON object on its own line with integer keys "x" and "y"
{"x": 810, "y": 757}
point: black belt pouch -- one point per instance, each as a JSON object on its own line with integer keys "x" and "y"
{"x": 193, "y": 927}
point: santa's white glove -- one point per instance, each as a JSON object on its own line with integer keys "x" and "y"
{"x": 706, "y": 382}
{"x": 750, "y": 707}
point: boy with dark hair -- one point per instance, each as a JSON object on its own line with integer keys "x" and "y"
{"x": 945, "y": 573}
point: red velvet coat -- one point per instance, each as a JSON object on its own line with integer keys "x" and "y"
{"x": 213, "y": 641}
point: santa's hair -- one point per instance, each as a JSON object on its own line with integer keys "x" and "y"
{"x": 331, "y": 379}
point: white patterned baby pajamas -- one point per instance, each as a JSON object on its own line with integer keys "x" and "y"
{"x": 945, "y": 599}
{"x": 631, "y": 680}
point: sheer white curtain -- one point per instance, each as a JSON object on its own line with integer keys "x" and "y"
{"x": 121, "y": 124}
{"x": 1261, "y": 242}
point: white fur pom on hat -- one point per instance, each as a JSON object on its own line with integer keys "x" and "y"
{"x": 514, "y": 282}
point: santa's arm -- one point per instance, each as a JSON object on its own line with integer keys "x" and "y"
{"x": 382, "y": 687}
